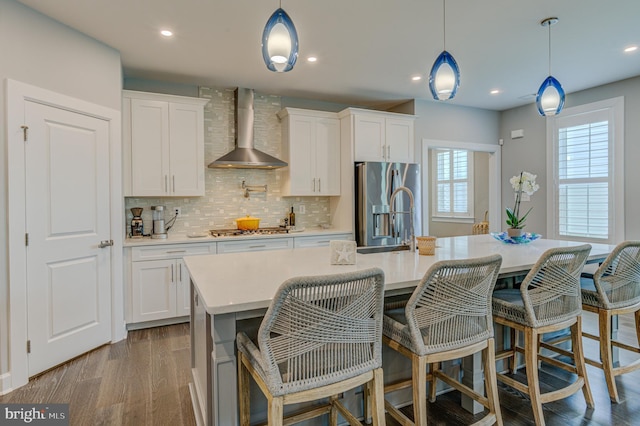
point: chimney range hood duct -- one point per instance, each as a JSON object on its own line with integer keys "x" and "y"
{"x": 244, "y": 155}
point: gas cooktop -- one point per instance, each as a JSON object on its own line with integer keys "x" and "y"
{"x": 239, "y": 233}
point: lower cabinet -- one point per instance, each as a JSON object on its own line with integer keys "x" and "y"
{"x": 319, "y": 240}
{"x": 160, "y": 290}
{"x": 159, "y": 281}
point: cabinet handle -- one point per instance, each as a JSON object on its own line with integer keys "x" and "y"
{"x": 319, "y": 185}
{"x": 166, "y": 188}
{"x": 388, "y": 152}
{"x": 258, "y": 246}
{"x": 174, "y": 183}
{"x": 323, "y": 242}
{"x": 314, "y": 184}
{"x": 175, "y": 251}
{"x": 180, "y": 272}
{"x": 172, "y": 280}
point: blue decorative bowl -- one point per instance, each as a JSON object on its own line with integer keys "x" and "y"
{"x": 527, "y": 237}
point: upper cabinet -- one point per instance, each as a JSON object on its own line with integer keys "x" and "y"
{"x": 163, "y": 143}
{"x": 311, "y": 146}
{"x": 379, "y": 136}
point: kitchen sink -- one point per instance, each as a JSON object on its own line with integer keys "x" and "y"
{"x": 381, "y": 249}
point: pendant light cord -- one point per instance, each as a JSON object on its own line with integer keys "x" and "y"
{"x": 444, "y": 25}
{"x": 549, "y": 48}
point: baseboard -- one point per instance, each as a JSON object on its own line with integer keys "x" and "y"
{"x": 5, "y": 383}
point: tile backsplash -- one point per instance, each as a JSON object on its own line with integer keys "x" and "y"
{"x": 224, "y": 197}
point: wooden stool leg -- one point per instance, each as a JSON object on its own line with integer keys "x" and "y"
{"x": 513, "y": 360}
{"x": 333, "y": 414}
{"x": 276, "y": 411}
{"x": 377, "y": 398}
{"x": 606, "y": 353}
{"x": 491, "y": 380}
{"x": 367, "y": 402}
{"x": 419, "y": 372}
{"x": 243, "y": 391}
{"x": 533, "y": 383}
{"x": 578, "y": 359}
{"x": 433, "y": 383}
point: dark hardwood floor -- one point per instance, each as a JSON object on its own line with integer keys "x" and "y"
{"x": 144, "y": 381}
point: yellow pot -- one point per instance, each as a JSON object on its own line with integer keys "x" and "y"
{"x": 247, "y": 223}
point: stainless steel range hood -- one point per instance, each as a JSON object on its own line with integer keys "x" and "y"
{"x": 245, "y": 156}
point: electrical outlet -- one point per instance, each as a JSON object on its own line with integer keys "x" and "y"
{"x": 177, "y": 211}
{"x": 301, "y": 209}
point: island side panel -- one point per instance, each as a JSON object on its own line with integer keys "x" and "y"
{"x": 201, "y": 348}
{"x": 224, "y": 370}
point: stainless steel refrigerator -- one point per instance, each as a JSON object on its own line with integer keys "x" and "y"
{"x": 381, "y": 221}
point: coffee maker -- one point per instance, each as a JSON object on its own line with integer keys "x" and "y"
{"x": 137, "y": 227}
{"x": 159, "y": 229}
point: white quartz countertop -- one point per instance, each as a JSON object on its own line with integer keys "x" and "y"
{"x": 185, "y": 238}
{"x": 237, "y": 282}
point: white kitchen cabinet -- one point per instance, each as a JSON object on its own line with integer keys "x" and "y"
{"x": 379, "y": 136}
{"x": 319, "y": 240}
{"x": 258, "y": 244}
{"x": 163, "y": 139}
{"x": 311, "y": 147}
{"x": 159, "y": 285}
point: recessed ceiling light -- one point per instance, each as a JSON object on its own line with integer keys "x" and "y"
{"x": 631, "y": 49}
{"x": 312, "y": 59}
{"x": 166, "y": 33}
{"x": 495, "y": 91}
{"x": 416, "y": 78}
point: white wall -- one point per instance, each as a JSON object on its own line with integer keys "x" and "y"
{"x": 529, "y": 153}
{"x": 40, "y": 51}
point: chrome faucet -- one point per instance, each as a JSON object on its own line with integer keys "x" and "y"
{"x": 412, "y": 239}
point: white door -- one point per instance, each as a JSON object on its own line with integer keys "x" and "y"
{"x": 67, "y": 216}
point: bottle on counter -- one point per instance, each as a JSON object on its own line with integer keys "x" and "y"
{"x": 292, "y": 218}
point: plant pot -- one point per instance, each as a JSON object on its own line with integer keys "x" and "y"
{"x": 515, "y": 232}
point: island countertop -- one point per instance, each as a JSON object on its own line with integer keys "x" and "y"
{"x": 237, "y": 282}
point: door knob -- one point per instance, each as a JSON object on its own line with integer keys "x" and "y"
{"x": 105, "y": 243}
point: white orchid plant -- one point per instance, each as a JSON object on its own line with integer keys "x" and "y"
{"x": 524, "y": 182}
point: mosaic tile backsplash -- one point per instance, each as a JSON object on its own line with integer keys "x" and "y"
{"x": 224, "y": 198}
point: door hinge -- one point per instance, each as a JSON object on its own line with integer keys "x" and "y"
{"x": 28, "y": 346}
{"x": 24, "y": 132}
{"x": 26, "y": 239}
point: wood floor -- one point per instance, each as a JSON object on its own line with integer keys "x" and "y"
{"x": 144, "y": 381}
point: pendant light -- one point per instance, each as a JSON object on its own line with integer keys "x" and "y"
{"x": 444, "y": 78}
{"x": 280, "y": 42}
{"x": 550, "y": 97}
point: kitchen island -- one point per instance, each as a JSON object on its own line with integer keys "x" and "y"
{"x": 232, "y": 291}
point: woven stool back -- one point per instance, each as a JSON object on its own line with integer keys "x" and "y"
{"x": 323, "y": 329}
{"x": 551, "y": 289}
{"x": 618, "y": 278}
{"x": 451, "y": 307}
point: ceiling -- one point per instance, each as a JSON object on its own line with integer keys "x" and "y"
{"x": 368, "y": 50}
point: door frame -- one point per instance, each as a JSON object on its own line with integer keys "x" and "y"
{"x": 495, "y": 174}
{"x": 18, "y": 94}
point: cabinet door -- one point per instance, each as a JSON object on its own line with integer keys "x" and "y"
{"x": 183, "y": 292}
{"x": 327, "y": 157}
{"x": 369, "y": 138}
{"x": 149, "y": 148}
{"x": 153, "y": 290}
{"x": 186, "y": 149}
{"x": 301, "y": 159}
{"x": 399, "y": 140}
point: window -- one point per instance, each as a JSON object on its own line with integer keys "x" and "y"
{"x": 452, "y": 184}
{"x": 586, "y": 195}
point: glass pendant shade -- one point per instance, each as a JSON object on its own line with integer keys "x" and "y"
{"x": 444, "y": 78}
{"x": 550, "y": 97}
{"x": 280, "y": 42}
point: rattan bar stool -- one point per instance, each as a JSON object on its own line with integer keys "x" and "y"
{"x": 447, "y": 317}
{"x": 614, "y": 289}
{"x": 548, "y": 300}
{"x": 321, "y": 336}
